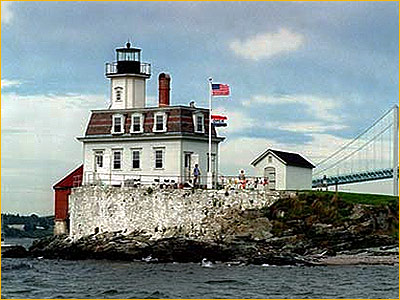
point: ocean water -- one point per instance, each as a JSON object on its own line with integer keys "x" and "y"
{"x": 40, "y": 278}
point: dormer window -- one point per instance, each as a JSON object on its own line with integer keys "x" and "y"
{"x": 136, "y": 123}
{"x": 118, "y": 94}
{"x": 199, "y": 123}
{"x": 198, "y": 120}
{"x": 118, "y": 124}
{"x": 160, "y": 122}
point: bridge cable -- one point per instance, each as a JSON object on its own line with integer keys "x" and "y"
{"x": 356, "y": 138}
{"x": 357, "y": 150}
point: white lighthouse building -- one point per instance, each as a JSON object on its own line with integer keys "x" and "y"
{"x": 130, "y": 143}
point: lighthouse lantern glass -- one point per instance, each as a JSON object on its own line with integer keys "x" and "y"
{"x": 128, "y": 55}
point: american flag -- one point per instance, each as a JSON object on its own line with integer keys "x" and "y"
{"x": 219, "y": 89}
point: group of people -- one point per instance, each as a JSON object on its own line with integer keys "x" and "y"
{"x": 241, "y": 177}
{"x": 254, "y": 183}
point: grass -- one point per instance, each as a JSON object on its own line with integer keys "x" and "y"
{"x": 355, "y": 198}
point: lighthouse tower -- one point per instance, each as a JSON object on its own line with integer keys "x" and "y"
{"x": 128, "y": 77}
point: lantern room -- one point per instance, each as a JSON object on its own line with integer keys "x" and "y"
{"x": 128, "y": 61}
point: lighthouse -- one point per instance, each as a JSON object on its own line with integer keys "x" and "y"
{"x": 130, "y": 145}
{"x": 128, "y": 77}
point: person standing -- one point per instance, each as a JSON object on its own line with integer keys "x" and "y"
{"x": 196, "y": 175}
{"x": 242, "y": 179}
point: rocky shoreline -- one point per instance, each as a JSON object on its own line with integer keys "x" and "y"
{"x": 310, "y": 229}
{"x": 136, "y": 247}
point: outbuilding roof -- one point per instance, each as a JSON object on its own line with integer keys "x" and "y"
{"x": 71, "y": 180}
{"x": 289, "y": 158}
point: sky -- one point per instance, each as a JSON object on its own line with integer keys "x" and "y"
{"x": 305, "y": 77}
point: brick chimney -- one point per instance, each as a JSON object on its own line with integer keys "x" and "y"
{"x": 163, "y": 89}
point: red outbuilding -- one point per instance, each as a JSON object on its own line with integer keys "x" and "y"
{"x": 62, "y": 190}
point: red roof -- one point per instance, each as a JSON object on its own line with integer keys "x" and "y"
{"x": 179, "y": 120}
{"x": 73, "y": 179}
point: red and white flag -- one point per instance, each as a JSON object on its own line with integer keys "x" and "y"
{"x": 218, "y": 117}
{"x": 219, "y": 121}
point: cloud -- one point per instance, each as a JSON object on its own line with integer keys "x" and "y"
{"x": 5, "y": 83}
{"x": 306, "y": 127}
{"x": 324, "y": 109}
{"x": 267, "y": 44}
{"x": 6, "y": 13}
{"x": 249, "y": 133}
{"x": 46, "y": 118}
{"x": 38, "y": 144}
{"x": 248, "y": 119}
{"x": 237, "y": 120}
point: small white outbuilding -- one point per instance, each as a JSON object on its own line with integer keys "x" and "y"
{"x": 283, "y": 170}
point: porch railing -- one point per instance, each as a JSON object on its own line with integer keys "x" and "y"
{"x": 174, "y": 181}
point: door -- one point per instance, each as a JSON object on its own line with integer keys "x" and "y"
{"x": 98, "y": 164}
{"x": 269, "y": 177}
{"x": 188, "y": 166}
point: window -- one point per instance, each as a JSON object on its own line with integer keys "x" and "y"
{"x": 137, "y": 123}
{"x": 118, "y": 124}
{"x": 98, "y": 159}
{"x": 198, "y": 120}
{"x": 270, "y": 159}
{"x": 160, "y": 120}
{"x": 187, "y": 160}
{"x": 200, "y": 123}
{"x": 135, "y": 159}
{"x": 117, "y": 159}
{"x": 159, "y": 163}
{"x": 118, "y": 94}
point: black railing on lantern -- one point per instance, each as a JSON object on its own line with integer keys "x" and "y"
{"x": 112, "y": 68}
{"x": 176, "y": 181}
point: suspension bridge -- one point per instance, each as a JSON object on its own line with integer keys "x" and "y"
{"x": 372, "y": 155}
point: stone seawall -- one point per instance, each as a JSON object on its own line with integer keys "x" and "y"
{"x": 160, "y": 212}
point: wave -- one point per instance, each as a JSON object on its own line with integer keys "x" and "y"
{"x": 222, "y": 281}
{"x": 16, "y": 266}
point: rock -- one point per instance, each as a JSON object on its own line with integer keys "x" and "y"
{"x": 14, "y": 252}
{"x": 308, "y": 232}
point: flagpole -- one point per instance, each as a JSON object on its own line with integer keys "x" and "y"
{"x": 209, "y": 173}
